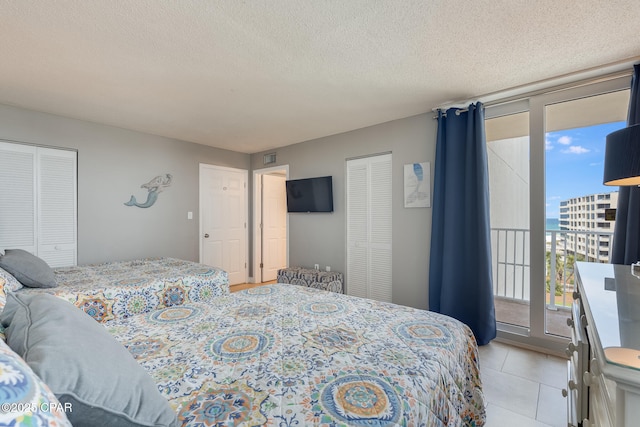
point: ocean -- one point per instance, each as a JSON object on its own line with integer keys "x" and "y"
{"x": 553, "y": 224}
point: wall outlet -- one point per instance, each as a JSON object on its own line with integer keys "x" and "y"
{"x": 316, "y": 266}
{"x": 328, "y": 268}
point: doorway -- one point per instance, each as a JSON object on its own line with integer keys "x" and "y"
{"x": 577, "y": 229}
{"x": 545, "y": 156}
{"x": 223, "y": 220}
{"x": 270, "y": 223}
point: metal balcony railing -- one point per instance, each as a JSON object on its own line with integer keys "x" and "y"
{"x": 511, "y": 261}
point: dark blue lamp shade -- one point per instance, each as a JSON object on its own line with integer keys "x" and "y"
{"x": 622, "y": 157}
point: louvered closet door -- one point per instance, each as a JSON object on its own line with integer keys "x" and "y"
{"x": 57, "y": 206}
{"x": 357, "y": 228}
{"x": 17, "y": 197}
{"x": 38, "y": 202}
{"x": 380, "y": 228}
{"x": 369, "y": 227}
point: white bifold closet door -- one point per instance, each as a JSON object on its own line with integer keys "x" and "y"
{"x": 38, "y": 202}
{"x": 369, "y": 228}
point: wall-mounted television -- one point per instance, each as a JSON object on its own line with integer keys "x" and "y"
{"x": 310, "y": 195}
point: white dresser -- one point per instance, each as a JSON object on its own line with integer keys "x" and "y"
{"x": 604, "y": 364}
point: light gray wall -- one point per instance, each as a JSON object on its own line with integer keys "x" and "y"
{"x": 320, "y": 238}
{"x": 112, "y": 164}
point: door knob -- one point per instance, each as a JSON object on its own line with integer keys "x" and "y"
{"x": 206, "y": 236}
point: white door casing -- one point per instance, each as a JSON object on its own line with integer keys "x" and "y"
{"x": 223, "y": 220}
{"x": 274, "y": 226}
{"x": 282, "y": 170}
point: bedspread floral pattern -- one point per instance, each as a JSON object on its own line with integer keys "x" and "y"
{"x": 26, "y": 400}
{"x": 122, "y": 289}
{"x": 290, "y": 355}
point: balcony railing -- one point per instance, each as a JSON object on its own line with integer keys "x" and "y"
{"x": 511, "y": 261}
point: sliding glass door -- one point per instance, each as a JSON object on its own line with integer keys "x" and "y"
{"x": 576, "y": 205}
{"x": 548, "y": 207}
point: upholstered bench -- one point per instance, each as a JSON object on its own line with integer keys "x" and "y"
{"x": 327, "y": 280}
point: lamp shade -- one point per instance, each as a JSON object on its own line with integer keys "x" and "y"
{"x": 622, "y": 157}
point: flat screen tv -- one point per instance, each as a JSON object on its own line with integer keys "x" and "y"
{"x": 310, "y": 195}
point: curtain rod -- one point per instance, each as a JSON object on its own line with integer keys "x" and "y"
{"x": 458, "y": 111}
{"x": 610, "y": 71}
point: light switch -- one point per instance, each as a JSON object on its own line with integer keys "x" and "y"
{"x": 189, "y": 215}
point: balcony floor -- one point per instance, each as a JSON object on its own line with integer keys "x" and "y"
{"x": 516, "y": 312}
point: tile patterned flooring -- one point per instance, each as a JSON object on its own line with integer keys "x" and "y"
{"x": 522, "y": 388}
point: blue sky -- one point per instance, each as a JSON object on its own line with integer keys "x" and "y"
{"x": 575, "y": 163}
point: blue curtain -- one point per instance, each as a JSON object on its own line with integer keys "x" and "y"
{"x": 626, "y": 235}
{"x": 460, "y": 279}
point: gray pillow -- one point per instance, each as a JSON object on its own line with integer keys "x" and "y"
{"x": 30, "y": 270}
{"x": 83, "y": 364}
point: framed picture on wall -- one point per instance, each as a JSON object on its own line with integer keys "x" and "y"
{"x": 417, "y": 185}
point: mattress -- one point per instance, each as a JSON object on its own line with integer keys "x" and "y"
{"x": 122, "y": 289}
{"x": 290, "y": 355}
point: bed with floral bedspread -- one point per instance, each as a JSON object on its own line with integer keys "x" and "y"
{"x": 288, "y": 355}
{"x": 122, "y": 289}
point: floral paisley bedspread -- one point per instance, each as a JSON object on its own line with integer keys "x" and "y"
{"x": 287, "y": 355}
{"x": 122, "y": 289}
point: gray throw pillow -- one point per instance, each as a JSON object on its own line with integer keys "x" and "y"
{"x": 83, "y": 364}
{"x": 30, "y": 270}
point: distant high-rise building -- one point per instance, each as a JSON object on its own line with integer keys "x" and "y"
{"x": 593, "y": 233}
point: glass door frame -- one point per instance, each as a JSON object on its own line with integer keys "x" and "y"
{"x": 493, "y": 112}
{"x": 536, "y": 335}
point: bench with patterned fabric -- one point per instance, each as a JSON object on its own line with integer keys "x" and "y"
{"x": 326, "y": 280}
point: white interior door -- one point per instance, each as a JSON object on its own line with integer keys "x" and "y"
{"x": 223, "y": 220}
{"x": 274, "y": 226}
{"x": 369, "y": 198}
{"x": 57, "y": 206}
{"x": 380, "y": 280}
{"x": 18, "y": 221}
{"x": 357, "y": 229}
{"x": 38, "y": 204}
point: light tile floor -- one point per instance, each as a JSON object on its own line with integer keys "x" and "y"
{"x": 523, "y": 388}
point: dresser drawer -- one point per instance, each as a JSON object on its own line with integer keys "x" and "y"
{"x": 602, "y": 395}
{"x": 608, "y": 296}
{"x": 578, "y": 353}
{"x": 572, "y": 395}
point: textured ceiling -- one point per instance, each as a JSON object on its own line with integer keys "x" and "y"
{"x": 254, "y": 75}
